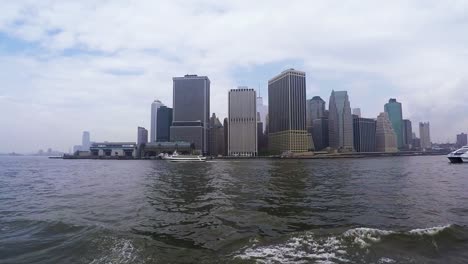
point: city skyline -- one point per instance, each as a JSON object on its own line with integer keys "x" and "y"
{"x": 61, "y": 74}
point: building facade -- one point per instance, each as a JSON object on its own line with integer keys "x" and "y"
{"x": 142, "y": 136}
{"x": 393, "y": 109}
{"x": 340, "y": 122}
{"x": 364, "y": 130}
{"x": 262, "y": 110}
{"x": 320, "y": 133}
{"x": 385, "y": 137}
{"x": 407, "y": 128}
{"x": 242, "y": 112}
{"x": 462, "y": 140}
{"x": 357, "y": 112}
{"x": 164, "y": 122}
{"x": 425, "y": 135}
{"x": 315, "y": 109}
{"x": 287, "y": 128}
{"x": 154, "y": 119}
{"x": 216, "y": 136}
{"x": 191, "y": 111}
{"x": 114, "y": 149}
{"x": 86, "y": 141}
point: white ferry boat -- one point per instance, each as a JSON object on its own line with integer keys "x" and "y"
{"x": 176, "y": 157}
{"x": 459, "y": 155}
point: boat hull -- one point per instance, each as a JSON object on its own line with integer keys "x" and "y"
{"x": 455, "y": 159}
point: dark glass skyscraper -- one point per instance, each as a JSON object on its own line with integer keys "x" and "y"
{"x": 191, "y": 111}
{"x": 315, "y": 109}
{"x": 287, "y": 130}
{"x": 393, "y": 109}
{"x": 164, "y": 122}
{"x": 364, "y": 134}
{"x": 407, "y": 128}
{"x": 340, "y": 121}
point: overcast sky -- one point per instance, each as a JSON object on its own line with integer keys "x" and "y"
{"x": 69, "y": 66}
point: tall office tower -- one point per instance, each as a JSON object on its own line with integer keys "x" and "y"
{"x": 164, "y": 122}
{"x": 364, "y": 134}
{"x": 287, "y": 113}
{"x": 393, "y": 109}
{"x": 340, "y": 122}
{"x": 315, "y": 109}
{"x": 154, "y": 119}
{"x": 262, "y": 110}
{"x": 385, "y": 137}
{"x": 191, "y": 111}
{"x": 242, "y": 122}
{"x": 425, "y": 135}
{"x": 462, "y": 140}
{"x": 226, "y": 138}
{"x": 216, "y": 136}
{"x": 407, "y": 128}
{"x": 320, "y": 133}
{"x": 142, "y": 137}
{"x": 85, "y": 141}
{"x": 357, "y": 112}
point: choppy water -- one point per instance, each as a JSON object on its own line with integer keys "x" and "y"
{"x": 382, "y": 210}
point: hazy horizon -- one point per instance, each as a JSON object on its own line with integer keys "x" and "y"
{"x": 68, "y": 66}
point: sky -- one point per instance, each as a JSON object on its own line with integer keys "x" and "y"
{"x": 69, "y": 66}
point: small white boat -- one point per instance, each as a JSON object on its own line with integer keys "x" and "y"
{"x": 176, "y": 157}
{"x": 459, "y": 155}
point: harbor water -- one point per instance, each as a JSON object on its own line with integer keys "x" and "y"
{"x": 369, "y": 210}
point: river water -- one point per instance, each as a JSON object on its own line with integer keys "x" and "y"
{"x": 373, "y": 210}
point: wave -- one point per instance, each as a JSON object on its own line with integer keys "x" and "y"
{"x": 353, "y": 245}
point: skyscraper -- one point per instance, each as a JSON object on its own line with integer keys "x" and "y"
{"x": 142, "y": 137}
{"x": 164, "y": 122}
{"x": 85, "y": 141}
{"x": 462, "y": 140}
{"x": 287, "y": 129}
{"x": 364, "y": 130}
{"x": 340, "y": 122}
{"x": 425, "y": 135}
{"x": 386, "y": 140}
{"x": 216, "y": 136}
{"x": 226, "y": 137}
{"x": 263, "y": 111}
{"x": 357, "y": 112}
{"x": 154, "y": 119}
{"x": 315, "y": 109}
{"x": 191, "y": 111}
{"x": 407, "y": 128}
{"x": 242, "y": 122}
{"x": 393, "y": 109}
{"x": 320, "y": 132}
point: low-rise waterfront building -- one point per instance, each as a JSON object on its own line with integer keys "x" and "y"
{"x": 114, "y": 149}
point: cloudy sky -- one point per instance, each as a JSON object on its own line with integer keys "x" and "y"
{"x": 69, "y": 66}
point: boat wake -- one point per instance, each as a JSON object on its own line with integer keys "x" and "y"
{"x": 354, "y": 245}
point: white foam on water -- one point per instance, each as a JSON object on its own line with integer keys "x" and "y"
{"x": 386, "y": 260}
{"x": 301, "y": 249}
{"x": 364, "y": 236}
{"x": 429, "y": 231}
{"x": 121, "y": 252}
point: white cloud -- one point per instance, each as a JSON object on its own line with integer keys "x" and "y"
{"x": 122, "y": 54}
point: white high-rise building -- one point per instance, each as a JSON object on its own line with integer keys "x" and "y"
{"x": 85, "y": 141}
{"x": 154, "y": 119}
{"x": 425, "y": 135}
{"x": 357, "y": 111}
{"x": 385, "y": 136}
{"x": 242, "y": 128}
{"x": 262, "y": 110}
